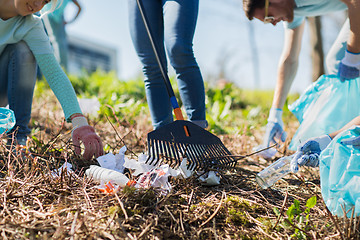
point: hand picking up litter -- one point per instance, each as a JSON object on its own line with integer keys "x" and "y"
{"x": 85, "y": 134}
{"x": 274, "y": 133}
{"x": 309, "y": 152}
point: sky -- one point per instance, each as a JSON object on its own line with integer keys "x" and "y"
{"x": 225, "y": 41}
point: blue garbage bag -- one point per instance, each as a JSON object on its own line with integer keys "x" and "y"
{"x": 325, "y": 107}
{"x": 7, "y": 120}
{"x": 340, "y": 175}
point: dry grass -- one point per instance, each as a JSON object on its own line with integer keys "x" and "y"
{"x": 35, "y": 205}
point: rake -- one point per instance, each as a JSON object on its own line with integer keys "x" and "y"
{"x": 181, "y": 139}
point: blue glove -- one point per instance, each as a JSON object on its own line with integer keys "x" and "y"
{"x": 355, "y": 141}
{"x": 349, "y": 67}
{"x": 274, "y": 131}
{"x": 274, "y": 128}
{"x": 308, "y": 153}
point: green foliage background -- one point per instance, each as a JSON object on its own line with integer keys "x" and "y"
{"x": 229, "y": 108}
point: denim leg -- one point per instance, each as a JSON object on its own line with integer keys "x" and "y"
{"x": 18, "y": 76}
{"x": 337, "y": 50}
{"x": 157, "y": 96}
{"x": 180, "y": 18}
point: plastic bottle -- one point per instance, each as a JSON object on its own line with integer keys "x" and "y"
{"x": 101, "y": 174}
{"x": 7, "y": 120}
{"x": 277, "y": 170}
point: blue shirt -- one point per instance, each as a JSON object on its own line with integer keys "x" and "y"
{"x": 30, "y": 29}
{"x": 311, "y": 8}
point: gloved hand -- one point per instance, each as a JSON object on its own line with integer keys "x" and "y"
{"x": 308, "y": 153}
{"x": 349, "y": 67}
{"x": 274, "y": 130}
{"x": 84, "y": 133}
{"x": 355, "y": 141}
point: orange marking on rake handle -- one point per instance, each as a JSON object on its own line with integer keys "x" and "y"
{"x": 179, "y": 116}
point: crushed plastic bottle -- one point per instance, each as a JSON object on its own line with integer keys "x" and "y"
{"x": 104, "y": 175}
{"x": 7, "y": 120}
{"x": 277, "y": 170}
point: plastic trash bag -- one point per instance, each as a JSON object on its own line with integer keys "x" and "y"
{"x": 325, "y": 106}
{"x": 340, "y": 175}
{"x": 7, "y": 120}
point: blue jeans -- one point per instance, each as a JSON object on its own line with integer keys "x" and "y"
{"x": 173, "y": 25}
{"x": 17, "y": 83}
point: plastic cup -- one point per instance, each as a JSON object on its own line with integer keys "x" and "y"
{"x": 277, "y": 170}
{"x": 7, "y": 120}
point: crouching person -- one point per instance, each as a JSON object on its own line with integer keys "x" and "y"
{"x": 23, "y": 45}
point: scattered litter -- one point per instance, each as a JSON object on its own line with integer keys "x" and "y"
{"x": 184, "y": 171}
{"x": 103, "y": 175}
{"x": 108, "y": 188}
{"x": 157, "y": 178}
{"x": 110, "y": 173}
{"x": 210, "y": 179}
{"x": 139, "y": 166}
{"x": 113, "y": 162}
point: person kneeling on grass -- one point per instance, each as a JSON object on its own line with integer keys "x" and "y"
{"x": 337, "y": 154}
{"x": 23, "y": 45}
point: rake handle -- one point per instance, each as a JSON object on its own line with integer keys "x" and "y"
{"x": 169, "y": 89}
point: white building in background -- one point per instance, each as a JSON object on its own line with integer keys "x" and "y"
{"x": 90, "y": 56}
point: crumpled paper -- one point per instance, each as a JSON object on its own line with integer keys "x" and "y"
{"x": 210, "y": 179}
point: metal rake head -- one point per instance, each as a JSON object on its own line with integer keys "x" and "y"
{"x": 202, "y": 149}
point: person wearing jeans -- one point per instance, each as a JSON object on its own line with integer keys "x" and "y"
{"x": 173, "y": 25}
{"x": 17, "y": 82}
{"x": 23, "y": 45}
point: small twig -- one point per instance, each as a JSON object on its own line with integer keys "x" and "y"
{"x": 181, "y": 222}
{"x": 281, "y": 210}
{"x": 122, "y": 206}
{"x": 72, "y": 231}
{"x": 216, "y": 211}
{"x": 190, "y": 199}
{"x": 172, "y": 216}
{"x": 144, "y": 231}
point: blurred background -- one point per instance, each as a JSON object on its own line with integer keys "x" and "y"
{"x": 227, "y": 45}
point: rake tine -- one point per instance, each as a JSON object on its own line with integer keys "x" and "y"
{"x": 198, "y": 154}
{"x": 185, "y": 147}
{"x": 176, "y": 153}
{"x": 182, "y": 150}
{"x": 202, "y": 149}
{"x": 191, "y": 156}
{"x": 168, "y": 153}
{"x": 150, "y": 152}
